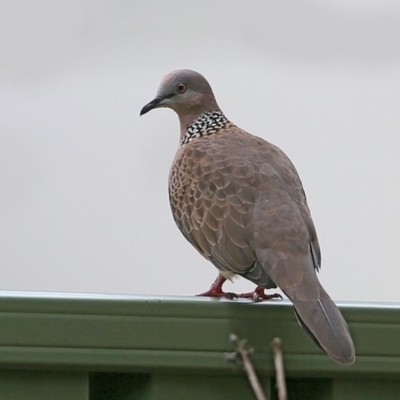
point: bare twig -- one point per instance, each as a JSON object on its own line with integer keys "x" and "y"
{"x": 244, "y": 352}
{"x": 276, "y": 345}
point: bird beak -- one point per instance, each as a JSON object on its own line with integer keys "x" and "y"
{"x": 157, "y": 102}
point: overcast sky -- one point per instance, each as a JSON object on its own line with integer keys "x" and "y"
{"x": 83, "y": 180}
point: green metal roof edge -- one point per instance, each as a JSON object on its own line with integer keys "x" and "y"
{"x": 117, "y": 332}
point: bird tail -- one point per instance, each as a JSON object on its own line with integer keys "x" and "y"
{"x": 315, "y": 310}
{"x": 322, "y": 320}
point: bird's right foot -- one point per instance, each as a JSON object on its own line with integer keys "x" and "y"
{"x": 216, "y": 290}
{"x": 215, "y": 293}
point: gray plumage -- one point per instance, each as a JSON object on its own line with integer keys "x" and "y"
{"x": 239, "y": 201}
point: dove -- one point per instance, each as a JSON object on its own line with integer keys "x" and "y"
{"x": 239, "y": 201}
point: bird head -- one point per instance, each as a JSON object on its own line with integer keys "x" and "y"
{"x": 187, "y": 93}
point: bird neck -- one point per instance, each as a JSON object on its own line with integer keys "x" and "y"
{"x": 206, "y": 124}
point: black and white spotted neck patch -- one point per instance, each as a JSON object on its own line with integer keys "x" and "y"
{"x": 206, "y": 124}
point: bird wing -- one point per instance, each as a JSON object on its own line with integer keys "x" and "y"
{"x": 216, "y": 183}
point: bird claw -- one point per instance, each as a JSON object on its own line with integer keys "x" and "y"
{"x": 259, "y": 295}
{"x": 218, "y": 294}
{"x": 216, "y": 290}
{"x": 230, "y": 295}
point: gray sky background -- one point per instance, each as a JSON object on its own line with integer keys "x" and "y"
{"x": 83, "y": 180}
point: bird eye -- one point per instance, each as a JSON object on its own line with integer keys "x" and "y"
{"x": 181, "y": 88}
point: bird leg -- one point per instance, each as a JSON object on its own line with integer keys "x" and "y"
{"x": 216, "y": 290}
{"x": 259, "y": 295}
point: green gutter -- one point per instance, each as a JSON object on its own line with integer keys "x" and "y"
{"x": 149, "y": 338}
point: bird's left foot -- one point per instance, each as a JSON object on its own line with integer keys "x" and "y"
{"x": 259, "y": 295}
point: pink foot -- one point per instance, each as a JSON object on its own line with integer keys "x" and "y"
{"x": 216, "y": 290}
{"x": 259, "y": 295}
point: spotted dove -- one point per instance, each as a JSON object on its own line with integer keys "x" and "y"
{"x": 239, "y": 201}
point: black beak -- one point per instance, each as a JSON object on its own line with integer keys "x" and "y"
{"x": 153, "y": 104}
